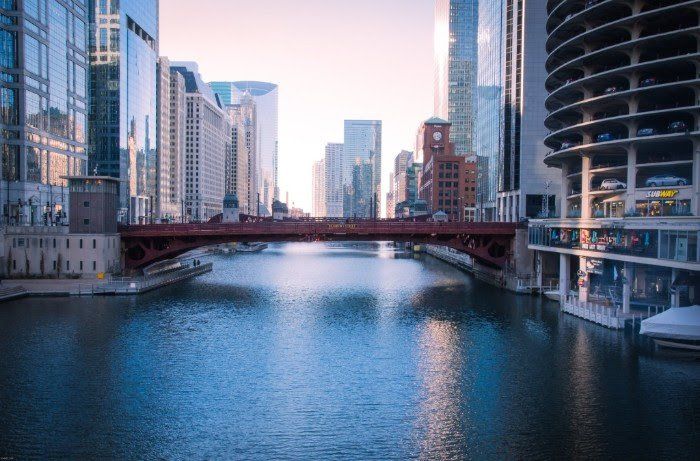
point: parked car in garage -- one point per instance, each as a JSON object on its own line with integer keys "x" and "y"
{"x": 568, "y": 145}
{"x": 649, "y": 81}
{"x": 612, "y": 184}
{"x": 666, "y": 180}
{"x": 613, "y": 89}
{"x": 604, "y": 137}
{"x": 678, "y": 126}
{"x": 648, "y": 131}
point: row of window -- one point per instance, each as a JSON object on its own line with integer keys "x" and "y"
{"x": 22, "y": 242}
{"x": 55, "y": 265}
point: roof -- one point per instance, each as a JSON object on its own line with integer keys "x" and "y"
{"x": 193, "y": 81}
{"x": 436, "y": 121}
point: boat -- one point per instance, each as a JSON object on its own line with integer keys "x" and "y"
{"x": 251, "y": 247}
{"x": 676, "y": 328}
{"x": 554, "y": 295}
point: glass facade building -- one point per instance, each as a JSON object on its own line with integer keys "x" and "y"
{"x": 510, "y": 149}
{"x": 123, "y": 48}
{"x": 362, "y": 146}
{"x": 456, "y": 23}
{"x": 266, "y": 97}
{"x": 43, "y": 106}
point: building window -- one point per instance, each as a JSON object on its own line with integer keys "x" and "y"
{"x": 67, "y": 243}
{"x": 81, "y": 243}
{"x": 86, "y": 222}
{"x": 94, "y": 243}
{"x": 86, "y": 204}
{"x": 67, "y": 265}
{"x": 54, "y": 265}
{"x": 81, "y": 266}
{"x": 54, "y": 243}
{"x": 678, "y": 245}
{"x": 94, "y": 266}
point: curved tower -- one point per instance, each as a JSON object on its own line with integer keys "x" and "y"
{"x": 623, "y": 95}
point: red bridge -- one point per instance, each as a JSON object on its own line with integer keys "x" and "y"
{"x": 145, "y": 244}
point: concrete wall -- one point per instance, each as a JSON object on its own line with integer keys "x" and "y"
{"x": 51, "y": 252}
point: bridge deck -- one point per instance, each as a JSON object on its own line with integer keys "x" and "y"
{"x": 369, "y": 228}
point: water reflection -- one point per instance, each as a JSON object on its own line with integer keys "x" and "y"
{"x": 312, "y": 351}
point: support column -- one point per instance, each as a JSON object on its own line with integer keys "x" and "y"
{"x": 626, "y": 288}
{"x": 695, "y": 207}
{"x": 540, "y": 268}
{"x": 585, "y": 187}
{"x": 630, "y": 203}
{"x": 564, "y": 269}
{"x": 675, "y": 294}
{"x": 583, "y": 290}
{"x": 564, "y": 191}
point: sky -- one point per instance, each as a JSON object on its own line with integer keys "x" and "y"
{"x": 332, "y": 59}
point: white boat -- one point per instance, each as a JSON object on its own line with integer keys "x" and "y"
{"x": 554, "y": 295}
{"x": 678, "y": 328}
{"x": 250, "y": 247}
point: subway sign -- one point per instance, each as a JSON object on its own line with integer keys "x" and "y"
{"x": 663, "y": 193}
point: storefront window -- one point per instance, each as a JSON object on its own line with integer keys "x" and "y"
{"x": 678, "y": 245}
{"x": 653, "y": 208}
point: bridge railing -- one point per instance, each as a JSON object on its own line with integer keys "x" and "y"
{"x": 378, "y": 227}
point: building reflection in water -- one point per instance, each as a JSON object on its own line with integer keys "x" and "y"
{"x": 440, "y": 419}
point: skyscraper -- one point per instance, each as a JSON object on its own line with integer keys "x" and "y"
{"x": 318, "y": 188}
{"x": 123, "y": 112}
{"x": 171, "y": 137}
{"x": 511, "y": 111}
{"x": 207, "y": 130}
{"x": 334, "y": 180}
{"x": 241, "y": 177}
{"x": 43, "y": 107}
{"x": 363, "y": 147}
{"x": 456, "y": 24}
{"x": 265, "y": 96}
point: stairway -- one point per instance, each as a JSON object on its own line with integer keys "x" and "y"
{"x": 7, "y": 293}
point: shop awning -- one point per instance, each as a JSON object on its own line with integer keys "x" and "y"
{"x": 675, "y": 323}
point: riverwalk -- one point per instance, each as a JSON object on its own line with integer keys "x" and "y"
{"x": 110, "y": 286}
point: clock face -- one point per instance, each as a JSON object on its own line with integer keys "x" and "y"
{"x": 437, "y": 135}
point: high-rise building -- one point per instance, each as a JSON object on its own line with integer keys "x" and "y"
{"x": 266, "y": 97}
{"x": 241, "y": 166}
{"x": 444, "y": 185}
{"x": 318, "y": 188}
{"x": 171, "y": 131}
{"x": 390, "y": 198}
{"x": 177, "y": 132}
{"x": 207, "y": 131}
{"x": 361, "y": 202}
{"x": 363, "y": 148}
{"x": 510, "y": 105}
{"x": 401, "y": 164}
{"x": 456, "y": 67}
{"x": 43, "y": 107}
{"x": 334, "y": 180}
{"x": 623, "y": 115}
{"x": 123, "y": 113}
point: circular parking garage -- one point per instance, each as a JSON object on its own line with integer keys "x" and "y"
{"x": 624, "y": 114}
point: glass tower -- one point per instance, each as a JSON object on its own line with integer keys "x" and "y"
{"x": 363, "y": 146}
{"x": 43, "y": 106}
{"x": 456, "y": 23}
{"x": 123, "y": 62}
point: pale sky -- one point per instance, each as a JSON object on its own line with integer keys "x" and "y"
{"x": 332, "y": 59}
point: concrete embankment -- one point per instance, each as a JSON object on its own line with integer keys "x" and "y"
{"x": 112, "y": 286}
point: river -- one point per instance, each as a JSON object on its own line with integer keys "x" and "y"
{"x": 334, "y": 352}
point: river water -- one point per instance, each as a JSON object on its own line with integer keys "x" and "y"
{"x": 314, "y": 351}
